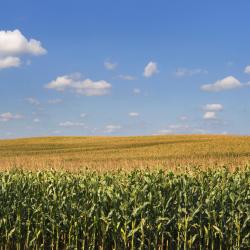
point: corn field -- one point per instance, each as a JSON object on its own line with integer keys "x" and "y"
{"x": 133, "y": 210}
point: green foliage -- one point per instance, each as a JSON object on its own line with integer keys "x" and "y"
{"x": 136, "y": 210}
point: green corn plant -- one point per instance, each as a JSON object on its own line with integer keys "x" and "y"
{"x": 134, "y": 210}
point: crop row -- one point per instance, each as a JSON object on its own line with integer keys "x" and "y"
{"x": 136, "y": 210}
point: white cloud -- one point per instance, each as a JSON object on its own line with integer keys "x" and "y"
{"x": 209, "y": 115}
{"x": 226, "y": 83}
{"x": 85, "y": 87}
{"x": 180, "y": 72}
{"x": 109, "y": 65}
{"x": 213, "y": 107}
{"x": 9, "y": 62}
{"x": 54, "y": 101}
{"x": 71, "y": 124}
{"x": 14, "y": 44}
{"x": 133, "y": 114}
{"x": 127, "y": 77}
{"x": 211, "y": 111}
{"x": 5, "y": 117}
{"x": 32, "y": 101}
{"x": 136, "y": 91}
{"x": 150, "y": 69}
{"x": 61, "y": 83}
{"x": 112, "y": 128}
{"x": 36, "y": 120}
{"x": 247, "y": 69}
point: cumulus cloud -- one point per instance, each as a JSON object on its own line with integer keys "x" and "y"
{"x": 5, "y": 117}
{"x": 226, "y": 83}
{"x": 110, "y": 65}
{"x": 211, "y": 110}
{"x": 133, "y": 114}
{"x": 14, "y": 44}
{"x": 213, "y": 107}
{"x": 209, "y": 115}
{"x": 85, "y": 87}
{"x": 71, "y": 124}
{"x": 247, "y": 69}
{"x": 150, "y": 69}
{"x": 112, "y": 128}
{"x": 181, "y": 72}
{"x": 9, "y": 62}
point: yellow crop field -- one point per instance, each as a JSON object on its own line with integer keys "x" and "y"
{"x": 176, "y": 153}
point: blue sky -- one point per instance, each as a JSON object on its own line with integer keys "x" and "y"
{"x": 124, "y": 67}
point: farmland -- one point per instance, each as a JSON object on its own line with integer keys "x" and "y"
{"x": 175, "y": 153}
{"x": 135, "y": 210}
{"x": 156, "y": 192}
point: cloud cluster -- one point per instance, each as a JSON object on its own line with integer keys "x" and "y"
{"x": 5, "y": 117}
{"x": 14, "y": 44}
{"x": 150, "y": 69}
{"x": 211, "y": 111}
{"x": 85, "y": 87}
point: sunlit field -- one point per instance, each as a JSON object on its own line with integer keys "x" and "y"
{"x": 151, "y": 192}
{"x": 175, "y": 153}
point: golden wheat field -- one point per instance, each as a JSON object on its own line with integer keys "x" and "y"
{"x": 176, "y": 153}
